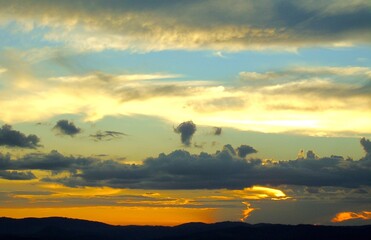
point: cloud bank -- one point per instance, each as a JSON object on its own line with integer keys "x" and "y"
{"x": 182, "y": 170}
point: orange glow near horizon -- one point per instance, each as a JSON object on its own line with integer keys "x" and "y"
{"x": 117, "y": 215}
{"x": 345, "y": 216}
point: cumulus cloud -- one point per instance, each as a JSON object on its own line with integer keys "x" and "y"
{"x": 218, "y": 25}
{"x": 182, "y": 170}
{"x": 65, "y": 127}
{"x": 366, "y": 144}
{"x": 307, "y": 101}
{"x": 13, "y": 138}
{"x": 244, "y": 150}
{"x": 107, "y": 135}
{"x": 186, "y": 131}
{"x": 311, "y": 155}
{"x": 229, "y": 148}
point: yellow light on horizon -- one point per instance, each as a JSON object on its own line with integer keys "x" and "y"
{"x": 118, "y": 215}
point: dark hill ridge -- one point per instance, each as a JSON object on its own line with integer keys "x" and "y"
{"x": 64, "y": 228}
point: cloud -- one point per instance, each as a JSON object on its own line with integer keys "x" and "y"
{"x": 346, "y": 216}
{"x": 244, "y": 150}
{"x": 217, "y": 131}
{"x": 65, "y": 127}
{"x": 311, "y": 155}
{"x": 182, "y": 170}
{"x": 258, "y": 192}
{"x": 53, "y": 161}
{"x": 217, "y": 25}
{"x": 366, "y": 144}
{"x": 307, "y": 100}
{"x": 228, "y": 148}
{"x": 107, "y": 135}
{"x": 13, "y": 138}
{"x": 186, "y": 131}
{"x": 16, "y": 175}
{"x": 246, "y": 212}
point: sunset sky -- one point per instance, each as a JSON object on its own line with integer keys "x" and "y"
{"x": 163, "y": 112}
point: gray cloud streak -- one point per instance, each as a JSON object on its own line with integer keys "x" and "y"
{"x": 16, "y": 175}
{"x": 107, "y": 135}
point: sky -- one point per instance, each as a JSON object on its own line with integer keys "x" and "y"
{"x": 162, "y": 112}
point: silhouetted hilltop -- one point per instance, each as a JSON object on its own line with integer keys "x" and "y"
{"x": 64, "y": 228}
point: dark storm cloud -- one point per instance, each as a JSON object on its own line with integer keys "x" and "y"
{"x": 182, "y": 170}
{"x": 244, "y": 150}
{"x": 13, "y": 138}
{"x": 107, "y": 135}
{"x": 66, "y": 128}
{"x": 217, "y": 131}
{"x": 16, "y": 175}
{"x": 186, "y": 131}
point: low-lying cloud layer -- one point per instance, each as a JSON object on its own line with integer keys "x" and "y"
{"x": 182, "y": 170}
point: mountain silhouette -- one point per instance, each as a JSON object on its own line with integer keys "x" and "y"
{"x": 58, "y": 228}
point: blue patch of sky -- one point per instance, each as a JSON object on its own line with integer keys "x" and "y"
{"x": 13, "y": 35}
{"x": 337, "y": 57}
{"x": 203, "y": 65}
{"x": 193, "y": 65}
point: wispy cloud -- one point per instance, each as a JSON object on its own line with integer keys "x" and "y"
{"x": 107, "y": 135}
{"x": 306, "y": 100}
{"x": 246, "y": 212}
